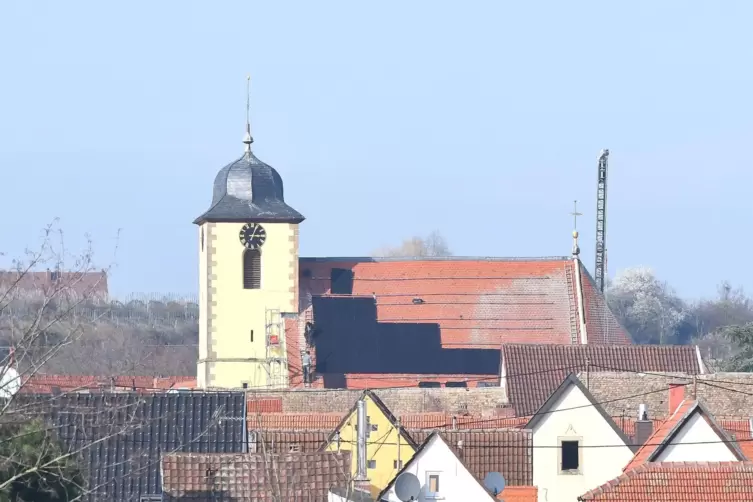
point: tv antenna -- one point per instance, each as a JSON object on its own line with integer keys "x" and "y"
{"x": 494, "y": 482}
{"x": 407, "y": 487}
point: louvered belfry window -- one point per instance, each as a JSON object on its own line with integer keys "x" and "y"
{"x": 252, "y": 269}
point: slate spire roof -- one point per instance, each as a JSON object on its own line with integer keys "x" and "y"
{"x": 249, "y": 190}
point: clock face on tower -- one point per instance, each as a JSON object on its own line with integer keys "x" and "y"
{"x": 253, "y": 235}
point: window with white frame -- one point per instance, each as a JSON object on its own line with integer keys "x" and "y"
{"x": 432, "y": 485}
{"x": 569, "y": 455}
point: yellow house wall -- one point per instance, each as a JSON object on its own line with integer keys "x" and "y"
{"x": 381, "y": 445}
{"x": 228, "y": 354}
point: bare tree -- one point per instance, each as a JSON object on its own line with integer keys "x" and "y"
{"x": 649, "y": 308}
{"x": 433, "y": 245}
{"x": 47, "y": 441}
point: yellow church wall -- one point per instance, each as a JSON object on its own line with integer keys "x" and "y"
{"x": 233, "y": 320}
{"x": 381, "y": 445}
{"x": 202, "y": 241}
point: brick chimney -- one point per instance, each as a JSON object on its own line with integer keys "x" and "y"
{"x": 676, "y": 395}
{"x": 643, "y": 426}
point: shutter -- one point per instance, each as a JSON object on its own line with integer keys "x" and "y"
{"x": 252, "y": 269}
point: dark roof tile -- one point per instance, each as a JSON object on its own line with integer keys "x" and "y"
{"x": 534, "y": 371}
{"x": 129, "y": 431}
{"x": 507, "y": 451}
{"x": 304, "y": 477}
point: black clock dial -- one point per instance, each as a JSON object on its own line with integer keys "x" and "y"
{"x": 253, "y": 235}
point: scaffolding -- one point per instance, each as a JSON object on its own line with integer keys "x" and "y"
{"x": 276, "y": 360}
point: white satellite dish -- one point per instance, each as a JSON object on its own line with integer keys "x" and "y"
{"x": 495, "y": 483}
{"x": 407, "y": 487}
{"x": 10, "y": 382}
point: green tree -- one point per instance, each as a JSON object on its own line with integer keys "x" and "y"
{"x": 34, "y": 467}
{"x": 741, "y": 337}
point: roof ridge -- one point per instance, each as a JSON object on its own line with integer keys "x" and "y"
{"x": 377, "y": 259}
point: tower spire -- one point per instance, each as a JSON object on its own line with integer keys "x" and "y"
{"x": 247, "y": 139}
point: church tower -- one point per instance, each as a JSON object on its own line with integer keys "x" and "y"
{"x": 248, "y": 277}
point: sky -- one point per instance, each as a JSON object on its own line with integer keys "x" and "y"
{"x": 481, "y": 119}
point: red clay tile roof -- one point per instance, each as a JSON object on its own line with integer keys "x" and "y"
{"x": 294, "y": 421}
{"x": 483, "y": 451}
{"x": 477, "y": 303}
{"x": 445, "y": 421}
{"x": 602, "y": 326}
{"x": 392, "y": 380}
{"x": 46, "y": 384}
{"x": 264, "y": 405}
{"x": 657, "y": 439}
{"x": 82, "y": 284}
{"x": 739, "y": 430}
{"x": 679, "y": 481}
{"x": 253, "y": 477}
{"x": 535, "y": 371}
{"x": 519, "y": 494}
{"x": 665, "y": 433}
{"x": 287, "y": 441}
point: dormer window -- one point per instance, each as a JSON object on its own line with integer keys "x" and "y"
{"x": 341, "y": 281}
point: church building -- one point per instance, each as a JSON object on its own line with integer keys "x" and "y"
{"x": 367, "y": 322}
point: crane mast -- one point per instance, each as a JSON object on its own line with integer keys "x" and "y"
{"x": 601, "y": 220}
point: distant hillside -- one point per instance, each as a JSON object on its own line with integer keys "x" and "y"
{"x": 141, "y": 335}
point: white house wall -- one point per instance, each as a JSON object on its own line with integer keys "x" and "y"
{"x": 586, "y": 424}
{"x": 696, "y": 430}
{"x": 456, "y": 484}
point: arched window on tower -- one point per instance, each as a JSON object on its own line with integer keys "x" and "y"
{"x": 251, "y": 269}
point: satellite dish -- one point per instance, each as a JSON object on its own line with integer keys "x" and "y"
{"x": 10, "y": 383}
{"x": 407, "y": 487}
{"x": 494, "y": 482}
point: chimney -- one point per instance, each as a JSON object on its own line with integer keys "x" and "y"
{"x": 361, "y": 443}
{"x": 643, "y": 426}
{"x": 676, "y": 396}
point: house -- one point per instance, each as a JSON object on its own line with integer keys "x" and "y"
{"x": 441, "y": 475}
{"x": 623, "y": 394}
{"x": 87, "y": 285}
{"x": 530, "y": 373}
{"x": 507, "y": 451}
{"x": 679, "y": 481}
{"x": 690, "y": 434}
{"x": 387, "y": 444}
{"x": 439, "y": 321}
{"x": 120, "y": 436}
{"x": 570, "y": 432}
{"x": 248, "y": 477}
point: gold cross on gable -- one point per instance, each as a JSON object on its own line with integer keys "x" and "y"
{"x": 575, "y": 214}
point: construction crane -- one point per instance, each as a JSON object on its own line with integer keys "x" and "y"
{"x": 601, "y": 221}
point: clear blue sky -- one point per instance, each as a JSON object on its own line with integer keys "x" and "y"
{"x": 385, "y": 119}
